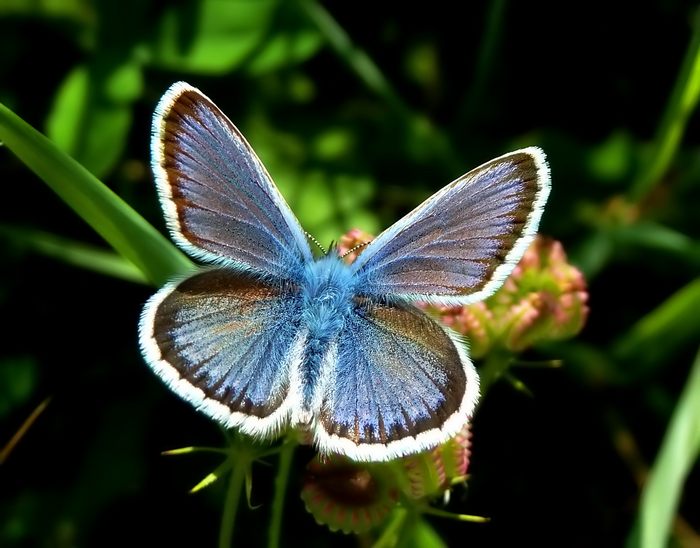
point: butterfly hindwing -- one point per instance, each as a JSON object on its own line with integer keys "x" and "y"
{"x": 459, "y": 245}
{"x": 393, "y": 383}
{"x": 219, "y": 201}
{"x": 229, "y": 344}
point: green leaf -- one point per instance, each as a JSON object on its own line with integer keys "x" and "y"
{"x": 679, "y": 451}
{"x": 92, "y": 111}
{"x": 327, "y": 204}
{"x": 594, "y": 253}
{"x": 683, "y": 101}
{"x": 656, "y": 237}
{"x": 420, "y": 534}
{"x": 600, "y": 246}
{"x": 17, "y": 380}
{"x": 612, "y": 160}
{"x": 76, "y": 9}
{"x": 122, "y": 227}
{"x": 283, "y": 49}
{"x": 662, "y": 331}
{"x": 74, "y": 253}
{"x": 216, "y": 36}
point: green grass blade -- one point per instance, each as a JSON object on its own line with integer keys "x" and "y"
{"x": 680, "y": 107}
{"x": 122, "y": 227}
{"x": 421, "y": 130}
{"x": 74, "y": 253}
{"x": 486, "y": 62}
{"x": 653, "y": 237}
{"x": 679, "y": 451}
{"x": 662, "y": 331}
{"x": 356, "y": 58}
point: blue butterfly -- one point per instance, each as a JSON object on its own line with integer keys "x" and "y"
{"x": 269, "y": 337}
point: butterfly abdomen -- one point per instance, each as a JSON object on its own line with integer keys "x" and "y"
{"x": 327, "y": 299}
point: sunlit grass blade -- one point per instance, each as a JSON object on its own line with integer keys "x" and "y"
{"x": 194, "y": 449}
{"x": 122, "y": 227}
{"x": 224, "y": 468}
{"x": 679, "y": 451}
{"x": 74, "y": 253}
{"x": 457, "y": 517}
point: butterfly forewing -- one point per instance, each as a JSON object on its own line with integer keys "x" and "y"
{"x": 229, "y": 344}
{"x": 219, "y": 200}
{"x": 460, "y": 244}
{"x": 394, "y": 383}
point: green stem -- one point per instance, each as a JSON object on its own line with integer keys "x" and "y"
{"x": 281, "y": 480}
{"x": 392, "y": 531}
{"x": 681, "y": 104}
{"x": 495, "y": 366}
{"x": 233, "y": 497}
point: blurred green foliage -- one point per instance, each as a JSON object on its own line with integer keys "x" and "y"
{"x": 359, "y": 111}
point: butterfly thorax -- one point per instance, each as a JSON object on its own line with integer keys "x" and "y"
{"x": 327, "y": 299}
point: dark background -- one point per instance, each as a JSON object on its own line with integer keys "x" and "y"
{"x": 460, "y": 83}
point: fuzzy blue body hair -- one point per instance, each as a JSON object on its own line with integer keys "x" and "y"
{"x": 327, "y": 291}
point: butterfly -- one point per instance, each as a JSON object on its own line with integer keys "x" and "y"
{"x": 269, "y": 337}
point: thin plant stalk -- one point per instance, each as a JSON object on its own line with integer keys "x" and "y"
{"x": 284, "y": 466}
{"x": 232, "y": 501}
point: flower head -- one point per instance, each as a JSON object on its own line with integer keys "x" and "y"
{"x": 544, "y": 299}
{"x": 432, "y": 473}
{"x": 352, "y": 243}
{"x": 347, "y": 496}
{"x": 355, "y": 497}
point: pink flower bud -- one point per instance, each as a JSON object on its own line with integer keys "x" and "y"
{"x": 431, "y": 473}
{"x": 544, "y": 299}
{"x": 352, "y": 243}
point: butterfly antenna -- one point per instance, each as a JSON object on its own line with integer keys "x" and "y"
{"x": 353, "y": 249}
{"x": 314, "y": 240}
